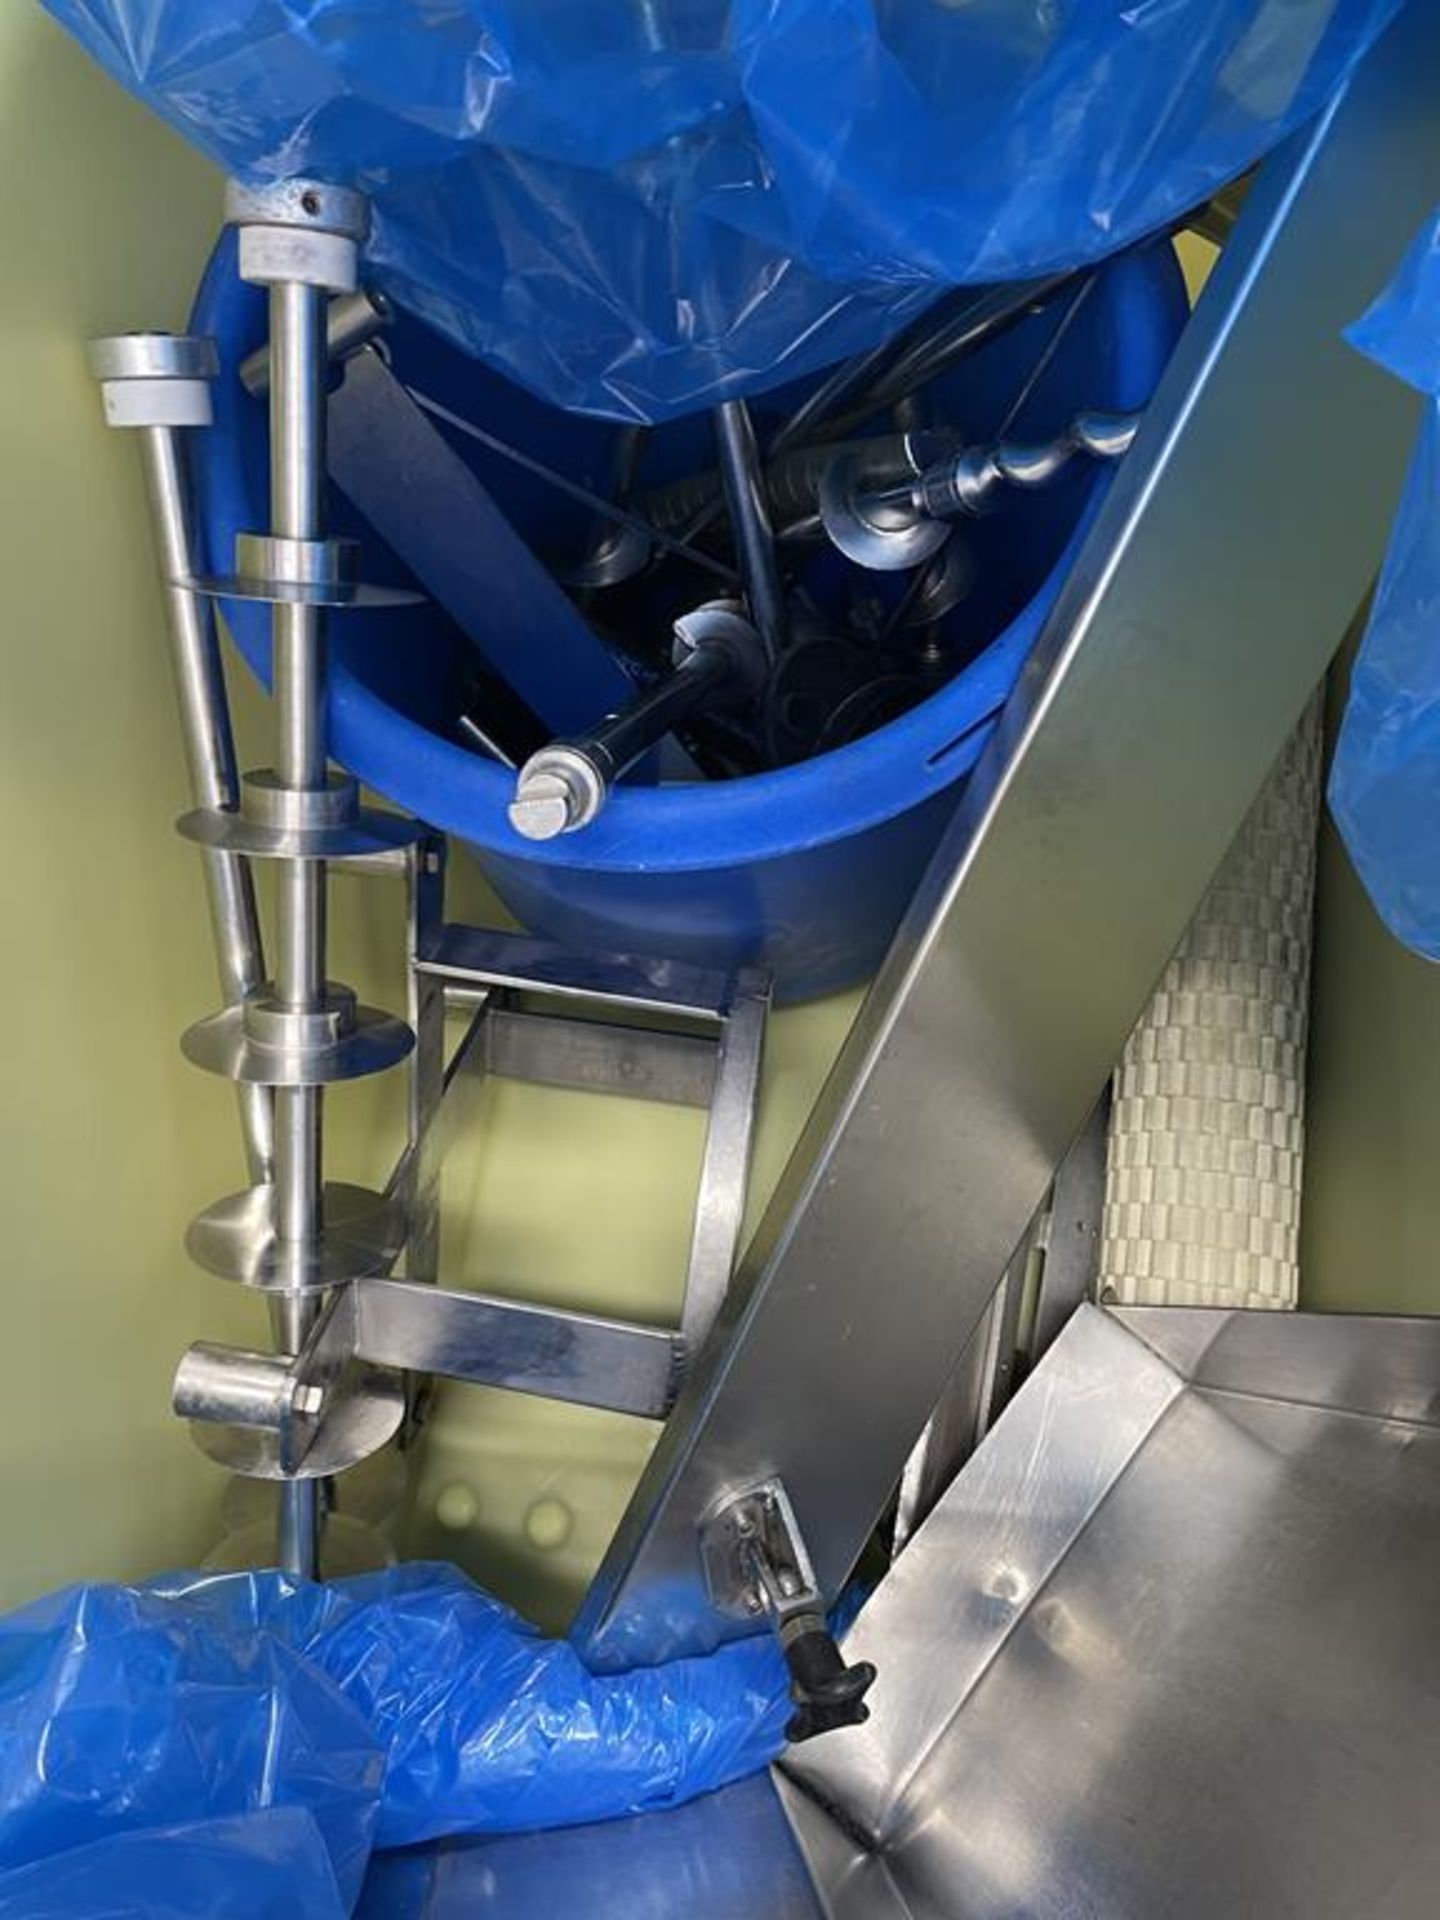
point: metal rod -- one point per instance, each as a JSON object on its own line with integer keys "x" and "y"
{"x": 210, "y": 755}
{"x": 889, "y": 374}
{"x": 792, "y": 481}
{"x": 352, "y": 321}
{"x": 895, "y": 527}
{"x": 750, "y": 523}
{"x": 297, "y": 483}
{"x": 564, "y": 785}
{"x": 969, "y": 483}
{"x": 929, "y": 348}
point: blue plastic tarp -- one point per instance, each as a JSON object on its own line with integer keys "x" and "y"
{"x": 157, "y": 1740}
{"x": 270, "y": 1864}
{"x": 1385, "y": 781}
{"x": 635, "y": 207}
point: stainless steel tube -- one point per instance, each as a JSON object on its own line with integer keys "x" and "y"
{"x": 297, "y": 409}
{"x": 233, "y": 1385}
{"x": 210, "y": 755}
{"x": 297, "y": 482}
{"x": 744, "y": 485}
{"x": 352, "y": 321}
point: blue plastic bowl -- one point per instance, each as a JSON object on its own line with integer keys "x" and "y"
{"x": 806, "y": 869}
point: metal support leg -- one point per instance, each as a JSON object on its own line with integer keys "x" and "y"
{"x": 744, "y": 485}
{"x": 159, "y": 384}
{"x": 297, "y": 479}
{"x": 1215, "y": 583}
{"x": 426, "y": 882}
{"x": 300, "y": 240}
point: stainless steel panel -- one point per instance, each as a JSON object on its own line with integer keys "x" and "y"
{"x": 598, "y": 1057}
{"x": 1248, "y": 518}
{"x": 853, "y": 1882}
{"x": 474, "y": 955}
{"x": 725, "y": 1165}
{"x": 1167, "y": 1648}
{"x": 980, "y": 1560}
{"x": 509, "y": 1343}
{"x": 1388, "y": 1368}
{"x": 1072, "y": 1236}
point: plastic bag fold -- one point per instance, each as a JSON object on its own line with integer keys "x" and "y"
{"x": 1385, "y": 778}
{"x": 274, "y": 1726}
{"x": 639, "y": 207}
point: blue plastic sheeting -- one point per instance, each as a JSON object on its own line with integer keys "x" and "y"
{"x": 636, "y": 207}
{"x": 1385, "y": 782}
{"x": 274, "y": 1726}
{"x": 271, "y": 1864}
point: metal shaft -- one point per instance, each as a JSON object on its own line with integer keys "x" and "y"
{"x": 352, "y": 321}
{"x": 969, "y": 483}
{"x": 566, "y": 783}
{"x": 297, "y": 481}
{"x": 792, "y": 480}
{"x": 719, "y": 658}
{"x": 750, "y": 522}
{"x": 210, "y": 755}
{"x": 622, "y": 740}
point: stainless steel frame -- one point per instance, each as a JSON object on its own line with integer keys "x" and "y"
{"x": 673, "y": 1034}
{"x": 1245, "y": 524}
{"x": 1167, "y": 1647}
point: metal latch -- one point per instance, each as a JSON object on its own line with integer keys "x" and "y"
{"x": 756, "y": 1564}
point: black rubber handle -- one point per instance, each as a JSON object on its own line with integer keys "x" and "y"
{"x": 827, "y": 1693}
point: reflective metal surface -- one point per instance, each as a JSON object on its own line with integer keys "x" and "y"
{"x": 1167, "y": 1646}
{"x": 357, "y": 1424}
{"x": 599, "y": 1056}
{"x": 370, "y": 832}
{"x": 352, "y": 321}
{"x": 1202, "y": 611}
{"x": 221, "y": 1044}
{"x": 237, "y": 1385}
{"x": 1071, "y": 1270}
{"x": 725, "y": 1168}
{"x": 297, "y": 1032}
{"x": 476, "y": 956}
{"x": 204, "y": 709}
{"x": 362, "y": 1233}
{"x": 510, "y": 1343}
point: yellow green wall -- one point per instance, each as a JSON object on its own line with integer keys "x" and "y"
{"x": 1370, "y": 1226}
{"x": 107, "y": 1142}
